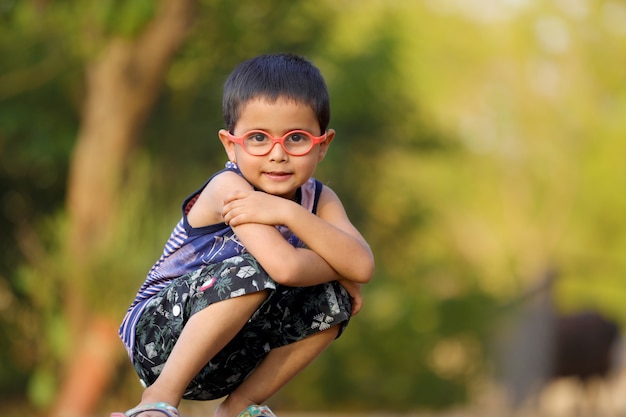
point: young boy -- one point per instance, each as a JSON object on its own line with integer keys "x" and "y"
{"x": 264, "y": 269}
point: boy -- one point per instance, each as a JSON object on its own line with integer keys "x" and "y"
{"x": 264, "y": 269}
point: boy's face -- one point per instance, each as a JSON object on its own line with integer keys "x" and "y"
{"x": 278, "y": 172}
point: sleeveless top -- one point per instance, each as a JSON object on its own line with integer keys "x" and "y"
{"x": 191, "y": 248}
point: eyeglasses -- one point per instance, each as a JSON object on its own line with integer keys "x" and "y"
{"x": 260, "y": 143}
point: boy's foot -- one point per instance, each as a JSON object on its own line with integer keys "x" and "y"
{"x": 257, "y": 411}
{"x": 161, "y": 409}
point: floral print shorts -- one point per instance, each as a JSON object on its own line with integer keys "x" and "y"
{"x": 288, "y": 314}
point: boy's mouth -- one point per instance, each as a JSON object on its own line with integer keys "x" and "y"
{"x": 277, "y": 174}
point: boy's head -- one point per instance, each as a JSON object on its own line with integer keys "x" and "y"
{"x": 276, "y": 76}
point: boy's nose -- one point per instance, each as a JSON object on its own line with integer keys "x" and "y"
{"x": 277, "y": 153}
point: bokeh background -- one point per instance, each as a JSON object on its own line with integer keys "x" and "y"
{"x": 480, "y": 148}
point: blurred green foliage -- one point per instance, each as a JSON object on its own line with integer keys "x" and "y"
{"x": 476, "y": 148}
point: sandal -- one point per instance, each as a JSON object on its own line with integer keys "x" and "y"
{"x": 161, "y": 407}
{"x": 257, "y": 411}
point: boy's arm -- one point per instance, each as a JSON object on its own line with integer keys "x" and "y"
{"x": 296, "y": 267}
{"x": 284, "y": 263}
{"x": 329, "y": 234}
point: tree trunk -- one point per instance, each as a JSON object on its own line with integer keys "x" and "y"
{"x": 122, "y": 85}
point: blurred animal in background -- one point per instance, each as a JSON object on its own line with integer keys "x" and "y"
{"x": 542, "y": 347}
{"x": 585, "y": 346}
{"x": 587, "y": 349}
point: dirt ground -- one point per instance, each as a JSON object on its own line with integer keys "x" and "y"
{"x": 206, "y": 409}
{"x": 564, "y": 398}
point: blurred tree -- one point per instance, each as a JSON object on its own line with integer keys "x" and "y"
{"x": 123, "y": 82}
{"x": 126, "y": 57}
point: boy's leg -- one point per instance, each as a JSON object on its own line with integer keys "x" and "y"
{"x": 277, "y": 368}
{"x": 205, "y": 334}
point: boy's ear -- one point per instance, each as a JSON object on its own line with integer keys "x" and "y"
{"x": 229, "y": 145}
{"x": 330, "y": 135}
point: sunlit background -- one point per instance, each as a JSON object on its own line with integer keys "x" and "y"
{"x": 479, "y": 149}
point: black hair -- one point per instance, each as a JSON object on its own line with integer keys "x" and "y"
{"x": 273, "y": 76}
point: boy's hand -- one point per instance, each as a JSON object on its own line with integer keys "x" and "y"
{"x": 354, "y": 289}
{"x": 246, "y": 206}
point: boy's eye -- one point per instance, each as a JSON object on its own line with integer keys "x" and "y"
{"x": 257, "y": 137}
{"x": 296, "y": 137}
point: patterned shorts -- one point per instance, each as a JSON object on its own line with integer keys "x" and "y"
{"x": 288, "y": 314}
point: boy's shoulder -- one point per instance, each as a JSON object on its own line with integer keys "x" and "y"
{"x": 230, "y": 175}
{"x": 223, "y": 182}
